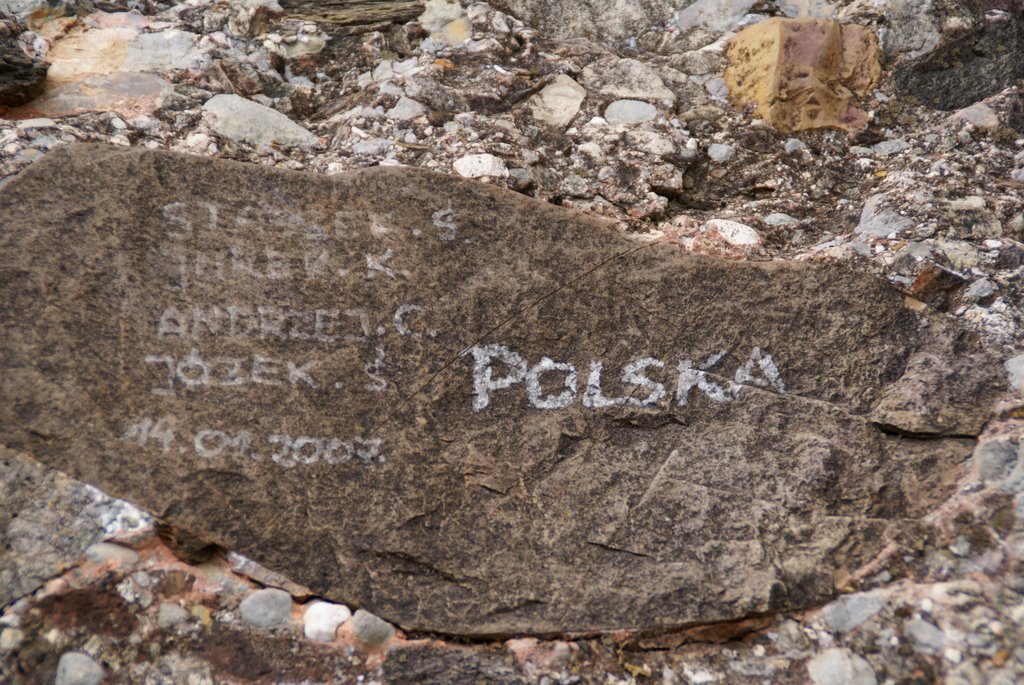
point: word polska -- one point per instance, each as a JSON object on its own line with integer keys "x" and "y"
{"x": 759, "y": 370}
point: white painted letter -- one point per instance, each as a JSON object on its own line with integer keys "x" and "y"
{"x": 483, "y": 381}
{"x": 172, "y": 322}
{"x": 632, "y": 374}
{"x": 769, "y": 376}
{"x": 534, "y": 391}
{"x": 593, "y": 397}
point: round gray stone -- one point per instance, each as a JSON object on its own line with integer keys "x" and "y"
{"x": 624, "y": 112}
{"x": 794, "y": 144}
{"x": 266, "y": 608}
{"x": 170, "y": 614}
{"x": 780, "y": 219}
{"x": 371, "y": 629}
{"x": 720, "y": 153}
{"x": 75, "y": 668}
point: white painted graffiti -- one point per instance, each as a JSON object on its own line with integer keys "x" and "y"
{"x": 268, "y": 322}
{"x": 285, "y": 450}
{"x": 512, "y": 369}
{"x": 197, "y": 371}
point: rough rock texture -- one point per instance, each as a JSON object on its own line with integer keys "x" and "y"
{"x": 971, "y": 66}
{"x": 21, "y": 75}
{"x": 46, "y": 522}
{"x": 357, "y": 15}
{"x": 604, "y": 20}
{"x": 803, "y": 73}
{"x": 463, "y": 410}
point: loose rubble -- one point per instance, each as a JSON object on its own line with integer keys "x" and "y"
{"x": 621, "y": 112}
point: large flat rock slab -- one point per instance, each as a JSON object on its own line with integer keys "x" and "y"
{"x": 467, "y": 411}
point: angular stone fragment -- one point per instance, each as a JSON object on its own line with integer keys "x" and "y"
{"x": 803, "y": 74}
{"x": 463, "y": 410}
{"x": 558, "y": 102}
{"x": 243, "y": 120}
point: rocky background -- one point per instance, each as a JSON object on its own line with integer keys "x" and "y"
{"x": 887, "y": 134}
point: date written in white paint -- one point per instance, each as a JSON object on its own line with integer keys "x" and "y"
{"x": 287, "y": 451}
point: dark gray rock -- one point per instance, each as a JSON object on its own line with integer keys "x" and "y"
{"x": 464, "y": 410}
{"x": 968, "y": 68}
{"x": 453, "y": 665}
{"x": 22, "y": 76}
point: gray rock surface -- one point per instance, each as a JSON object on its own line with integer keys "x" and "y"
{"x": 243, "y": 120}
{"x": 996, "y": 460}
{"x": 48, "y": 520}
{"x": 969, "y": 67}
{"x": 879, "y": 222}
{"x": 712, "y": 15}
{"x": 1015, "y": 372}
{"x": 601, "y": 20}
{"x": 850, "y": 611}
{"x": 624, "y": 78}
{"x": 926, "y": 636}
{"x": 736, "y": 460}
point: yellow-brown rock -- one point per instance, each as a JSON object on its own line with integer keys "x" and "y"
{"x": 803, "y": 73}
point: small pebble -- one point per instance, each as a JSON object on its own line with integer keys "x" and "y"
{"x": 734, "y": 233}
{"x": 626, "y": 112}
{"x": 106, "y": 551}
{"x": 889, "y": 147}
{"x": 370, "y": 629}
{"x": 75, "y": 668}
{"x": 10, "y": 638}
{"x": 720, "y": 153}
{"x": 780, "y": 219}
{"x": 170, "y": 614}
{"x": 477, "y": 166}
{"x": 266, "y": 608}
{"x": 794, "y": 144}
{"x": 995, "y": 460}
{"x": 321, "y": 620}
{"x": 406, "y": 109}
{"x": 840, "y": 667}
